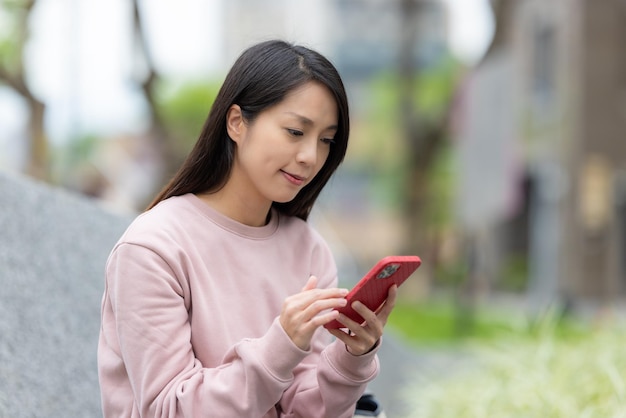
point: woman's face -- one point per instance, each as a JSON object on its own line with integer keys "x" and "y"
{"x": 284, "y": 148}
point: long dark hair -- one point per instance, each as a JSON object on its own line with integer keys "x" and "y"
{"x": 261, "y": 77}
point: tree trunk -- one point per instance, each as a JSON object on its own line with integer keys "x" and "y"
{"x": 407, "y": 72}
{"x": 38, "y": 165}
{"x": 422, "y": 138}
{"x": 170, "y": 158}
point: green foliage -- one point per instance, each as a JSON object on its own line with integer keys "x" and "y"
{"x": 438, "y": 324}
{"x": 80, "y": 149}
{"x": 445, "y": 322}
{"x": 12, "y": 16}
{"x": 71, "y": 156}
{"x": 433, "y": 89}
{"x": 441, "y": 189}
{"x": 184, "y": 109}
{"x": 387, "y": 185}
{"x": 514, "y": 273}
{"x": 546, "y": 376}
{"x": 451, "y": 274}
{"x": 380, "y": 143}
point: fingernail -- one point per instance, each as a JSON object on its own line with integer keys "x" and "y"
{"x": 343, "y": 292}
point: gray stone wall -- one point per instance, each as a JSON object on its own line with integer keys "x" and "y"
{"x": 53, "y": 247}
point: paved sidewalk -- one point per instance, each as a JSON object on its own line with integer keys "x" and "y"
{"x": 398, "y": 367}
{"x": 403, "y": 368}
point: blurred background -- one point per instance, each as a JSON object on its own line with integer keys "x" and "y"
{"x": 488, "y": 136}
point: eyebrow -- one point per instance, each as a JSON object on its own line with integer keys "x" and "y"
{"x": 306, "y": 121}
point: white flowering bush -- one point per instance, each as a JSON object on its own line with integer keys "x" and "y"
{"x": 541, "y": 377}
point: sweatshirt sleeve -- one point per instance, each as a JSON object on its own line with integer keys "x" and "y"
{"x": 149, "y": 322}
{"x": 330, "y": 380}
{"x": 329, "y": 384}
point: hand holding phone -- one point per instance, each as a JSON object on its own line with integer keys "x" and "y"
{"x": 372, "y": 289}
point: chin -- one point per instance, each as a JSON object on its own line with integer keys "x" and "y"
{"x": 284, "y": 198}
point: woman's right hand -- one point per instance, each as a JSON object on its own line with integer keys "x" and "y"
{"x": 304, "y": 312}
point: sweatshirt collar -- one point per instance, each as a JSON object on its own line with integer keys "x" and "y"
{"x": 229, "y": 224}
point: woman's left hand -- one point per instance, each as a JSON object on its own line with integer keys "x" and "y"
{"x": 362, "y": 338}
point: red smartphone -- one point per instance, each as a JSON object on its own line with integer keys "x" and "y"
{"x": 372, "y": 289}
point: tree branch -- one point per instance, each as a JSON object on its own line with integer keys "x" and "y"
{"x": 16, "y": 83}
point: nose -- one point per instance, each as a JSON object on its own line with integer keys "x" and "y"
{"x": 307, "y": 152}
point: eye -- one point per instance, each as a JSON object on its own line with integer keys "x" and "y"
{"x": 295, "y": 132}
{"x": 329, "y": 141}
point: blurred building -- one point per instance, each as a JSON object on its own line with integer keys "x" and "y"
{"x": 360, "y": 36}
{"x": 368, "y": 33}
{"x": 542, "y": 149}
{"x": 245, "y": 22}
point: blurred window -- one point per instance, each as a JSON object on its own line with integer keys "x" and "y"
{"x": 620, "y": 209}
{"x": 544, "y": 61}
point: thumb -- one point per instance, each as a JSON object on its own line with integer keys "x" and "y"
{"x": 310, "y": 284}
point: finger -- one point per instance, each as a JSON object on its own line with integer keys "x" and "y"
{"x": 350, "y": 324}
{"x": 305, "y": 308}
{"x": 341, "y": 336}
{"x": 324, "y": 318}
{"x": 356, "y": 344}
{"x": 311, "y": 291}
{"x": 373, "y": 324}
{"x": 366, "y": 313}
{"x": 320, "y": 306}
{"x": 310, "y": 284}
{"x": 389, "y": 304}
{"x": 303, "y": 300}
{"x": 392, "y": 296}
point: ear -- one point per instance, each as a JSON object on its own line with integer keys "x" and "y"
{"x": 235, "y": 124}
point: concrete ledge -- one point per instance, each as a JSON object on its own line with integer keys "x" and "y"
{"x": 53, "y": 247}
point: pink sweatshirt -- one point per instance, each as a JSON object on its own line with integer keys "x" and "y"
{"x": 190, "y": 321}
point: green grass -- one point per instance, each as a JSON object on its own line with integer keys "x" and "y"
{"x": 442, "y": 324}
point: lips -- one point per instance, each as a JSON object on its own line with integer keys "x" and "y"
{"x": 294, "y": 178}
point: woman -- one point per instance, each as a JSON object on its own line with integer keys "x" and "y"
{"x": 216, "y": 296}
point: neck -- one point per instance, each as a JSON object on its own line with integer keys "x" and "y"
{"x": 238, "y": 207}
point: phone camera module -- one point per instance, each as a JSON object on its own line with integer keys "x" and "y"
{"x": 388, "y": 271}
